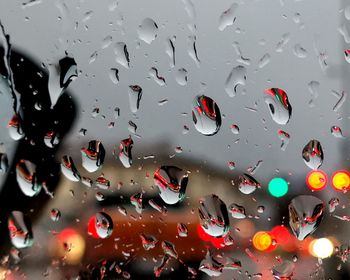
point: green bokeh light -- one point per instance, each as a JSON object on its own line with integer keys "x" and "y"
{"x": 278, "y": 187}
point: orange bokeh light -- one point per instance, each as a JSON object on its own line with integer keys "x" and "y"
{"x": 341, "y": 180}
{"x": 263, "y": 241}
{"x": 316, "y": 180}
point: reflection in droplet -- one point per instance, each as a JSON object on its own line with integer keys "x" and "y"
{"x": 247, "y": 184}
{"x": 135, "y": 94}
{"x": 305, "y": 215}
{"x": 93, "y": 156}
{"x": 332, "y": 204}
{"x": 181, "y": 76}
{"x": 192, "y": 51}
{"x": 169, "y": 249}
{"x": 206, "y": 115}
{"x": 122, "y": 54}
{"x": 124, "y": 154}
{"x": 313, "y": 154}
{"x": 147, "y": 30}
{"x": 236, "y": 78}
{"x": 20, "y": 230}
{"x": 60, "y": 76}
{"x": 102, "y": 182}
{"x": 69, "y": 170}
{"x": 171, "y": 182}
{"x": 237, "y": 211}
{"x": 336, "y": 131}
{"x": 170, "y": 50}
{"x": 278, "y": 103}
{"x": 234, "y": 129}
{"x": 227, "y": 18}
{"x": 213, "y": 216}
{"x": 27, "y": 178}
{"x": 283, "y": 271}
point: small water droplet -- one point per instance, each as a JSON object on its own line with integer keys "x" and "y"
{"x": 27, "y": 178}
{"x": 278, "y": 104}
{"x": 136, "y": 200}
{"x": 299, "y": 51}
{"x": 135, "y": 94}
{"x": 171, "y": 182}
{"x": 148, "y": 241}
{"x": 247, "y": 184}
{"x": 124, "y": 153}
{"x": 181, "y": 76}
{"x": 332, "y": 204}
{"x": 237, "y": 211}
{"x": 69, "y": 170}
{"x": 206, "y": 115}
{"x": 336, "y": 131}
{"x": 169, "y": 249}
{"x": 284, "y": 137}
{"x": 102, "y": 183}
{"x": 102, "y": 224}
{"x": 15, "y": 128}
{"x": 153, "y": 72}
{"x": 236, "y": 78}
{"x": 313, "y": 154}
{"x": 228, "y": 17}
{"x": 114, "y": 75}
{"x": 211, "y": 266}
{"x": 55, "y": 214}
{"x": 4, "y": 164}
{"x": 93, "y": 156}
{"x": 182, "y": 230}
{"x": 122, "y": 54}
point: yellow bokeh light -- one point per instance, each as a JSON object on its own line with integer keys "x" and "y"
{"x": 341, "y": 180}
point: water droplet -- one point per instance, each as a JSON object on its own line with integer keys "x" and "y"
{"x": 136, "y": 200}
{"x": 337, "y": 132}
{"x": 305, "y": 215}
{"x": 148, "y": 241}
{"x": 4, "y": 164}
{"x": 278, "y": 103}
{"x": 171, "y": 182}
{"x": 15, "y": 128}
{"x": 211, "y": 266}
{"x": 55, "y": 214}
{"x": 100, "y": 225}
{"x": 100, "y": 196}
{"x": 313, "y": 154}
{"x": 192, "y": 50}
{"x": 247, "y": 184}
{"x": 60, "y": 76}
{"x": 51, "y": 139}
{"x": 20, "y": 230}
{"x": 181, "y": 76}
{"x": 264, "y": 60}
{"x": 332, "y": 204}
{"x": 213, "y": 216}
{"x": 284, "y": 137}
{"x": 93, "y": 156}
{"x": 114, "y": 75}
{"x": 69, "y": 170}
{"x": 234, "y": 129}
{"x": 227, "y": 18}
{"x": 182, "y": 230}
{"x": 102, "y": 183}
{"x": 27, "y": 178}
{"x": 135, "y": 94}
{"x": 170, "y": 50}
{"x": 122, "y": 54}
{"x": 159, "y": 269}
{"x": 231, "y": 165}
{"x": 313, "y": 87}
{"x": 206, "y": 115}
{"x": 299, "y": 51}
{"x": 284, "y": 270}
{"x": 106, "y": 42}
{"x": 169, "y": 249}
{"x": 237, "y": 211}
{"x": 261, "y": 209}
{"x": 147, "y": 30}
{"x": 124, "y": 154}
{"x": 153, "y": 72}
{"x": 236, "y": 78}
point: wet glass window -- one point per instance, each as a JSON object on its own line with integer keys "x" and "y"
{"x": 187, "y": 139}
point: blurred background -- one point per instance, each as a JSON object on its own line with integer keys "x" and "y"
{"x": 79, "y": 71}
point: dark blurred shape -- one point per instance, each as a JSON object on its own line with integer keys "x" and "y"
{"x": 37, "y": 120}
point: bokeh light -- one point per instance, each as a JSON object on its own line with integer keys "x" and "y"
{"x": 341, "y": 180}
{"x": 321, "y": 248}
{"x": 278, "y": 187}
{"x": 316, "y": 180}
{"x": 263, "y": 241}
